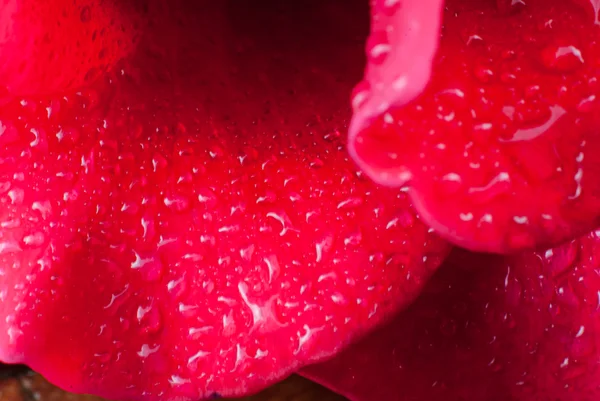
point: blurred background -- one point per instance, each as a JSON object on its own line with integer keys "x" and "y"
{"x": 20, "y": 384}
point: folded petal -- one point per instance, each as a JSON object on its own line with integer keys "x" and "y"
{"x": 486, "y": 328}
{"x": 496, "y": 132}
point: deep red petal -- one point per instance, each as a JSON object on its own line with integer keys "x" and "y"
{"x": 499, "y": 148}
{"x": 486, "y": 328}
{"x": 192, "y": 225}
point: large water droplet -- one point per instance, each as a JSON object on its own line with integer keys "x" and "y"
{"x": 322, "y": 247}
{"x": 12, "y": 223}
{"x": 284, "y": 220}
{"x": 247, "y": 252}
{"x": 177, "y": 203}
{"x": 149, "y": 318}
{"x": 353, "y": 239}
{"x": 176, "y": 381}
{"x": 9, "y": 246}
{"x": 339, "y": 298}
{"x": 273, "y": 266}
{"x": 117, "y": 299}
{"x": 360, "y": 95}
{"x": 561, "y": 259}
{"x": 43, "y": 207}
{"x": 483, "y": 73}
{"x": 40, "y": 141}
{"x": 148, "y": 227}
{"x": 194, "y": 360}
{"x": 150, "y": 267}
{"x": 16, "y": 196}
{"x": 207, "y": 197}
{"x": 147, "y": 350}
{"x": 159, "y": 162}
{"x": 378, "y": 47}
{"x": 351, "y": 202}
{"x": 263, "y": 314}
{"x": 178, "y": 287}
{"x": 562, "y": 58}
{"x": 36, "y": 239}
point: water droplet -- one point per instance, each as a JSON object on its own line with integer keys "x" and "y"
{"x": 353, "y": 239}
{"x": 514, "y": 291}
{"x": 562, "y": 58}
{"x": 305, "y": 336}
{"x": 207, "y": 197}
{"x": 16, "y": 196}
{"x": 194, "y": 333}
{"x": 562, "y": 258}
{"x": 350, "y": 203}
{"x": 39, "y": 142}
{"x": 43, "y": 207}
{"x": 117, "y": 299}
{"x": 263, "y": 315}
{"x": 177, "y": 203}
{"x": 404, "y": 219}
{"x": 483, "y": 73}
{"x": 378, "y": 47}
{"x": 13, "y": 223}
{"x": 333, "y": 136}
{"x": 130, "y": 207}
{"x": 175, "y": 381}
{"x": 273, "y": 265}
{"x": 146, "y": 350}
{"x": 197, "y": 357}
{"x": 14, "y": 333}
{"x": 567, "y": 297}
{"x": 360, "y": 95}
{"x": 497, "y": 186}
{"x": 187, "y": 310}
{"x": 229, "y": 229}
{"x": 103, "y": 357}
{"x": 148, "y": 226}
{"x": 150, "y": 267}
{"x": 582, "y": 345}
{"x": 216, "y": 152}
{"x": 316, "y": 163}
{"x": 177, "y": 287}
{"x": 339, "y": 299}
{"x": 472, "y": 39}
{"x": 8, "y": 247}
{"x": 322, "y": 247}
{"x": 240, "y": 356}
{"x": 283, "y": 218}
{"x": 34, "y": 240}
{"x": 248, "y": 155}
{"x": 70, "y": 196}
{"x": 247, "y": 252}
{"x": 149, "y": 317}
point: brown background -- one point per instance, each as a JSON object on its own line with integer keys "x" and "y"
{"x": 25, "y": 386}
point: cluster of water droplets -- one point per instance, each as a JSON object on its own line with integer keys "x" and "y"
{"x": 182, "y": 247}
